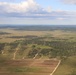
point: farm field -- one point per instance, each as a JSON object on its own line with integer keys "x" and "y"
{"x": 28, "y": 67}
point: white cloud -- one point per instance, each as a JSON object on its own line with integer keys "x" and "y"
{"x": 49, "y": 9}
{"x": 61, "y": 18}
{"x": 31, "y": 9}
{"x": 25, "y": 6}
{"x": 69, "y": 1}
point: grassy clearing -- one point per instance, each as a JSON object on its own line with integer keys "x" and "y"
{"x": 56, "y": 34}
{"x": 67, "y": 66}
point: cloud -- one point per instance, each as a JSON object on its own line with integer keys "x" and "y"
{"x": 49, "y": 9}
{"x": 69, "y": 1}
{"x": 31, "y": 9}
{"x": 25, "y": 6}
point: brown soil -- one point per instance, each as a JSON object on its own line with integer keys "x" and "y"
{"x": 46, "y": 66}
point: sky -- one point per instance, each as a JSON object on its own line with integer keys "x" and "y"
{"x": 45, "y": 12}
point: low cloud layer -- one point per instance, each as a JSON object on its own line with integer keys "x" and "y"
{"x": 30, "y": 9}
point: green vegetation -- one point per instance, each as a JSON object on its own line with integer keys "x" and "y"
{"x": 30, "y": 43}
{"x": 24, "y": 69}
{"x": 67, "y": 67}
{"x": 4, "y": 33}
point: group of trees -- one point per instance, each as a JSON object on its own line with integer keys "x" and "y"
{"x": 58, "y": 48}
{"x": 4, "y": 33}
{"x": 2, "y": 45}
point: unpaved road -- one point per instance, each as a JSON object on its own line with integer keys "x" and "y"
{"x": 56, "y": 67}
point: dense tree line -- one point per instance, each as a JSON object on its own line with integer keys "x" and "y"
{"x": 3, "y": 33}
{"x": 58, "y": 48}
{"x": 2, "y": 45}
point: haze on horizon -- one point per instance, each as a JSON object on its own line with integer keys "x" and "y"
{"x": 50, "y": 12}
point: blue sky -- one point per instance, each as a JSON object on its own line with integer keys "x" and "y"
{"x": 38, "y": 12}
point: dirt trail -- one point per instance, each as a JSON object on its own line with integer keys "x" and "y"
{"x": 35, "y": 56}
{"x": 3, "y": 52}
{"x": 34, "y": 59}
{"x": 18, "y": 48}
{"x": 23, "y": 58}
{"x": 14, "y": 56}
{"x": 56, "y": 67}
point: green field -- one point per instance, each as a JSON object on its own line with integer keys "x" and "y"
{"x": 67, "y": 67}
